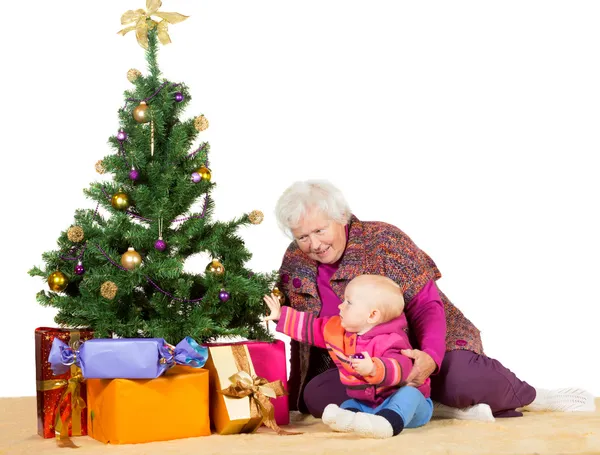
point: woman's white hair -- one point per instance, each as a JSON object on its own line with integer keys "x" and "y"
{"x": 302, "y": 197}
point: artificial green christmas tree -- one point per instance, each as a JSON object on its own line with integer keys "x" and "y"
{"x": 122, "y": 274}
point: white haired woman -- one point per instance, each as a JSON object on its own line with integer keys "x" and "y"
{"x": 330, "y": 247}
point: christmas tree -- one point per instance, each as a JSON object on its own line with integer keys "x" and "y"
{"x": 123, "y": 273}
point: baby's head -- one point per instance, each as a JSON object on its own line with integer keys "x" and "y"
{"x": 370, "y": 300}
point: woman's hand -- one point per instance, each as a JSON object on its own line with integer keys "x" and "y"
{"x": 273, "y": 303}
{"x": 364, "y": 366}
{"x": 423, "y": 367}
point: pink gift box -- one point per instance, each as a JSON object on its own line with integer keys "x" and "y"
{"x": 269, "y": 362}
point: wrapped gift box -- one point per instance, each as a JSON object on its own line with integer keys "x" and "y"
{"x": 51, "y": 388}
{"x": 230, "y": 415}
{"x": 172, "y": 406}
{"x": 126, "y": 358}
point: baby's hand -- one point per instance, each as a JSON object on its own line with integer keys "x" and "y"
{"x": 363, "y": 366}
{"x": 273, "y": 303}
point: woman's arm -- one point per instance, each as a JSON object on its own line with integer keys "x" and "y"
{"x": 415, "y": 273}
{"x": 427, "y": 320}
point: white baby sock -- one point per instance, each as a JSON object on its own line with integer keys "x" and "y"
{"x": 372, "y": 426}
{"x": 562, "y": 400}
{"x": 480, "y": 411}
{"x": 338, "y": 419}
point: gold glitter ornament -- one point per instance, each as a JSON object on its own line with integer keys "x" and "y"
{"x": 280, "y": 296}
{"x": 133, "y": 74}
{"x": 108, "y": 290}
{"x": 201, "y": 123}
{"x": 131, "y": 259}
{"x": 141, "y": 113}
{"x": 75, "y": 234}
{"x": 100, "y": 167}
{"x": 204, "y": 173}
{"x": 215, "y": 267}
{"x": 256, "y": 216}
{"x": 120, "y": 201}
{"x": 58, "y": 281}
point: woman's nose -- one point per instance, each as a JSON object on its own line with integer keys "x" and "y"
{"x": 314, "y": 243}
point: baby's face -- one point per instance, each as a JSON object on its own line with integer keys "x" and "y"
{"x": 355, "y": 309}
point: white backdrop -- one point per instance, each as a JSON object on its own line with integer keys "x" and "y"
{"x": 473, "y": 126}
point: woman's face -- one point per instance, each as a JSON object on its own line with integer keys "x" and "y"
{"x": 320, "y": 238}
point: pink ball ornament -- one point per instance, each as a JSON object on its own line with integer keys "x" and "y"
{"x": 79, "y": 270}
{"x": 121, "y": 136}
{"x": 160, "y": 245}
{"x": 134, "y": 174}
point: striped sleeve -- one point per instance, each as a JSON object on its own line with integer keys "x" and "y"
{"x": 388, "y": 372}
{"x": 302, "y": 326}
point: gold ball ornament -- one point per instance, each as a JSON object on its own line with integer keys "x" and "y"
{"x": 133, "y": 74}
{"x": 75, "y": 234}
{"x": 256, "y": 216}
{"x": 215, "y": 267}
{"x": 108, "y": 290}
{"x": 100, "y": 167}
{"x": 204, "y": 173}
{"x": 131, "y": 259}
{"x": 201, "y": 123}
{"x": 120, "y": 201}
{"x": 280, "y": 295}
{"x": 58, "y": 281}
{"x": 141, "y": 113}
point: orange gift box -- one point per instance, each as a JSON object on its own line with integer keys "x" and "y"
{"x": 172, "y": 406}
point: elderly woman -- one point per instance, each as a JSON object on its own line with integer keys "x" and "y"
{"x": 330, "y": 247}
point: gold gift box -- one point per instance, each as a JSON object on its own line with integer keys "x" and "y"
{"x": 228, "y": 415}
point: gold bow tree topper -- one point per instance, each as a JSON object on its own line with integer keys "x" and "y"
{"x": 142, "y": 22}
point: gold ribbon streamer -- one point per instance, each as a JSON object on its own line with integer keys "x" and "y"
{"x": 73, "y": 388}
{"x": 61, "y": 427}
{"x": 258, "y": 389}
{"x": 144, "y": 22}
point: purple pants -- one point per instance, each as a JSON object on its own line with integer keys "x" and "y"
{"x": 465, "y": 379}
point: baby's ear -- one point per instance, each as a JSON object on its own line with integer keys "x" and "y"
{"x": 374, "y": 316}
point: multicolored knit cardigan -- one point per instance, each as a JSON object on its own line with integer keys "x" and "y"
{"x": 374, "y": 248}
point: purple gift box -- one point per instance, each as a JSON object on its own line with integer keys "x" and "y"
{"x": 126, "y": 358}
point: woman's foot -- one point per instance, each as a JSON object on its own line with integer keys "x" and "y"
{"x": 338, "y": 419}
{"x": 372, "y": 426}
{"x": 562, "y": 400}
{"x": 480, "y": 412}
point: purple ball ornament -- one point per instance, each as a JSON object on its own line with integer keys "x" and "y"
{"x": 134, "y": 174}
{"x": 121, "y": 136}
{"x": 224, "y": 295}
{"x": 160, "y": 244}
{"x": 196, "y": 177}
{"x": 179, "y": 97}
{"x": 79, "y": 270}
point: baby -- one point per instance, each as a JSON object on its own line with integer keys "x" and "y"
{"x": 364, "y": 341}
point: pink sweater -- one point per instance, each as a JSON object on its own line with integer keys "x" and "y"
{"x": 383, "y": 343}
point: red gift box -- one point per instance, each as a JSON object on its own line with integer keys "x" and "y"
{"x": 270, "y": 362}
{"x": 55, "y": 394}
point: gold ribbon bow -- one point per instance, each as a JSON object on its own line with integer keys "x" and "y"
{"x": 143, "y": 22}
{"x": 258, "y": 389}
